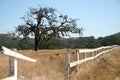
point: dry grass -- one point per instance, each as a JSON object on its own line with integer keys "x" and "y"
{"x": 106, "y": 67}
{"x": 4, "y": 62}
{"x": 50, "y": 65}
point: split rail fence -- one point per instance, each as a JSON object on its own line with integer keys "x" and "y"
{"x": 14, "y": 55}
{"x": 97, "y": 52}
{"x": 13, "y": 61}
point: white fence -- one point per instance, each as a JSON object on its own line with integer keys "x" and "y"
{"x": 97, "y": 52}
{"x": 14, "y": 55}
{"x": 13, "y": 61}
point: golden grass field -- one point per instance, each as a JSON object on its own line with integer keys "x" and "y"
{"x": 51, "y": 65}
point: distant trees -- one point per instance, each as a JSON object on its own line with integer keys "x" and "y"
{"x": 5, "y": 40}
{"x": 110, "y": 40}
{"x": 25, "y": 44}
{"x": 81, "y": 42}
{"x": 45, "y": 24}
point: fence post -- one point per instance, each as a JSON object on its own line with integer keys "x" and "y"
{"x": 13, "y": 66}
{"x": 77, "y": 58}
{"x": 91, "y": 54}
{"x": 67, "y": 64}
{"x": 96, "y": 52}
{"x": 84, "y": 56}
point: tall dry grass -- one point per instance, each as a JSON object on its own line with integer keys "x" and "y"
{"x": 4, "y": 66}
{"x": 50, "y": 65}
{"x": 106, "y": 67}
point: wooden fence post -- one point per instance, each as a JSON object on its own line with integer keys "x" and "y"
{"x": 91, "y": 54}
{"x": 84, "y": 56}
{"x": 96, "y": 52}
{"x": 77, "y": 58}
{"x": 13, "y": 66}
{"x": 67, "y": 64}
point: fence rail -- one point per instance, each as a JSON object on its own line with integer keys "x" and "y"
{"x": 72, "y": 64}
{"x": 16, "y": 55}
{"x": 13, "y": 61}
{"x": 98, "y": 51}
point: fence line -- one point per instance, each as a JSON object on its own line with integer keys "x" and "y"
{"x": 14, "y": 56}
{"x": 98, "y": 51}
{"x": 13, "y": 61}
{"x": 72, "y": 64}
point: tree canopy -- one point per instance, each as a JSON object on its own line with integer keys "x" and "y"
{"x": 44, "y": 23}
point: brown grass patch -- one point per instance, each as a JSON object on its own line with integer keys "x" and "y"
{"x": 106, "y": 67}
{"x": 51, "y": 64}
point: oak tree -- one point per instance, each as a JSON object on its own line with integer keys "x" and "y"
{"x": 44, "y": 23}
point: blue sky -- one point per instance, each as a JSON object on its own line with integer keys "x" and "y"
{"x": 99, "y": 18}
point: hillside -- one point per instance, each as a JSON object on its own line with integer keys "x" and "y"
{"x": 50, "y": 65}
{"x": 116, "y": 34}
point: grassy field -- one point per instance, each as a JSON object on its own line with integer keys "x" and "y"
{"x": 50, "y": 65}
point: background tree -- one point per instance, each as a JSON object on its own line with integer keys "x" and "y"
{"x": 44, "y": 24}
{"x": 110, "y": 40}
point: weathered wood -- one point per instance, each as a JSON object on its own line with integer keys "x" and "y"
{"x": 15, "y": 68}
{"x": 77, "y": 59}
{"x": 12, "y": 65}
{"x": 84, "y": 55}
{"x": 91, "y": 54}
{"x": 67, "y": 64}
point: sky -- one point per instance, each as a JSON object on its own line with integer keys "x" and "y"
{"x": 99, "y": 18}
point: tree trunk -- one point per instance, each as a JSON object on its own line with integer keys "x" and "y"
{"x": 36, "y": 43}
{"x": 36, "y": 46}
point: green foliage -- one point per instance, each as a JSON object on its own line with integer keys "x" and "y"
{"x": 110, "y": 40}
{"x": 5, "y": 40}
{"x": 82, "y": 42}
{"x": 25, "y": 44}
{"x": 51, "y": 44}
{"x": 56, "y": 43}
